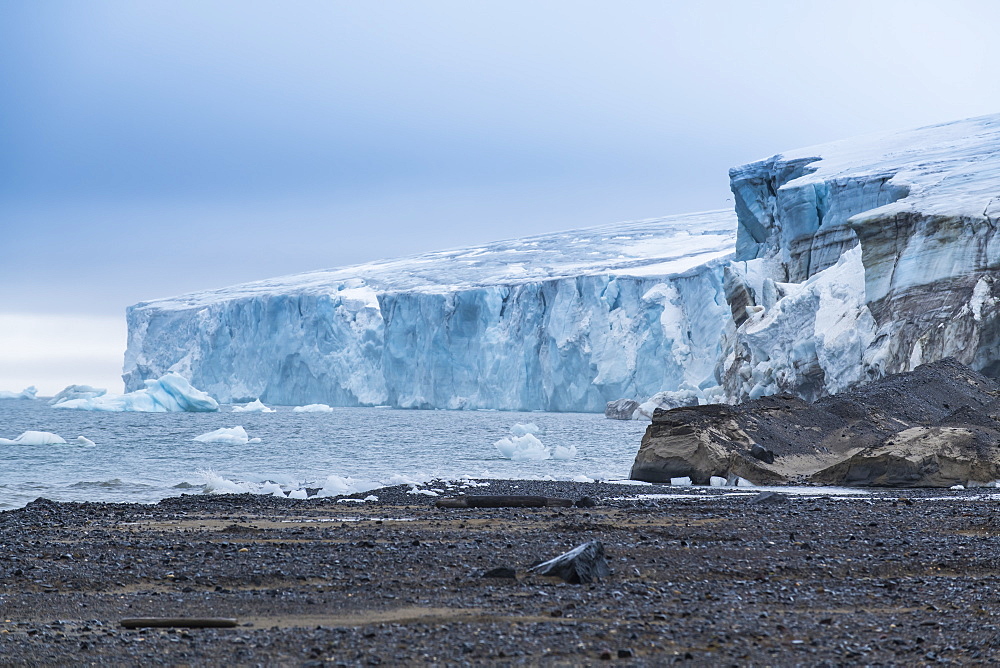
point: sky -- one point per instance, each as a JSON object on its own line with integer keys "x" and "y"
{"x": 153, "y": 148}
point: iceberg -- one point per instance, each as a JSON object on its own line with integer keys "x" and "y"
{"x": 228, "y": 436}
{"x": 522, "y": 448}
{"x": 313, "y": 408}
{"x": 169, "y": 393}
{"x": 521, "y": 429}
{"x": 254, "y": 406}
{"x": 71, "y": 392}
{"x": 558, "y": 322}
{"x": 564, "y": 452}
{"x": 34, "y": 438}
{"x": 26, "y": 393}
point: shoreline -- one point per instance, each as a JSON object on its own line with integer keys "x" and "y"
{"x": 885, "y": 576}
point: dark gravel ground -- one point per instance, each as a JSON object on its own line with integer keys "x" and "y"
{"x": 723, "y": 580}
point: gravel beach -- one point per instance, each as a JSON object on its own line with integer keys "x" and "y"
{"x": 700, "y": 576}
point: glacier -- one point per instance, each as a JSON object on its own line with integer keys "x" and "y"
{"x": 840, "y": 264}
{"x": 862, "y": 258}
{"x": 558, "y": 322}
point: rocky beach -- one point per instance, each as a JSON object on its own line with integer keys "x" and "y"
{"x": 699, "y": 576}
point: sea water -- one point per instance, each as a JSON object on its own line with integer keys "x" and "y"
{"x": 144, "y": 457}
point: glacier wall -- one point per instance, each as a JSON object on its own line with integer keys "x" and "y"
{"x": 862, "y": 258}
{"x": 646, "y": 317}
{"x": 853, "y": 260}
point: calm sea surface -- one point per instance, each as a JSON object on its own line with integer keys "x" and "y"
{"x": 145, "y": 457}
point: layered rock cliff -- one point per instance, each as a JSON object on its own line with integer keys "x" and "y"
{"x": 863, "y": 258}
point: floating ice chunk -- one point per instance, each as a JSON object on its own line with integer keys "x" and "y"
{"x": 717, "y": 481}
{"x": 26, "y": 393}
{"x": 77, "y": 392}
{"x": 313, "y": 408}
{"x": 522, "y": 429}
{"x": 522, "y": 448}
{"x": 227, "y": 435}
{"x": 564, "y": 452}
{"x": 336, "y": 485}
{"x": 298, "y": 494}
{"x": 171, "y": 393}
{"x": 681, "y": 482}
{"x": 83, "y": 440}
{"x": 254, "y": 406}
{"x": 581, "y": 478}
{"x": 34, "y": 438}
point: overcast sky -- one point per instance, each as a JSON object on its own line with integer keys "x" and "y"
{"x": 153, "y": 148}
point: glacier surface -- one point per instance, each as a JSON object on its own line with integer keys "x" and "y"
{"x": 560, "y": 322}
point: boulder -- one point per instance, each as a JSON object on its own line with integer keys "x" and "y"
{"x": 581, "y": 565}
{"x": 920, "y": 457}
{"x": 936, "y": 426}
{"x": 620, "y": 409}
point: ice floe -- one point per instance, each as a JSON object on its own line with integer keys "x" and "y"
{"x": 254, "y": 406}
{"x": 313, "y": 408}
{"x": 228, "y": 436}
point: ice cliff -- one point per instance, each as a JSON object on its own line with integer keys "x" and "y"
{"x": 560, "y": 322}
{"x": 853, "y": 260}
{"x": 862, "y": 258}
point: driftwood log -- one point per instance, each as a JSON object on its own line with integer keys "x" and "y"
{"x": 179, "y": 622}
{"x": 503, "y": 502}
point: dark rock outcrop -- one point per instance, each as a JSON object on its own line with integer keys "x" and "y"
{"x": 936, "y": 426}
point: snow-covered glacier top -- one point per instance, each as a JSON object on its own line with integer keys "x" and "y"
{"x": 950, "y": 169}
{"x": 652, "y": 247}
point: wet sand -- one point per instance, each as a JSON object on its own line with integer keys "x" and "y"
{"x": 905, "y": 578}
